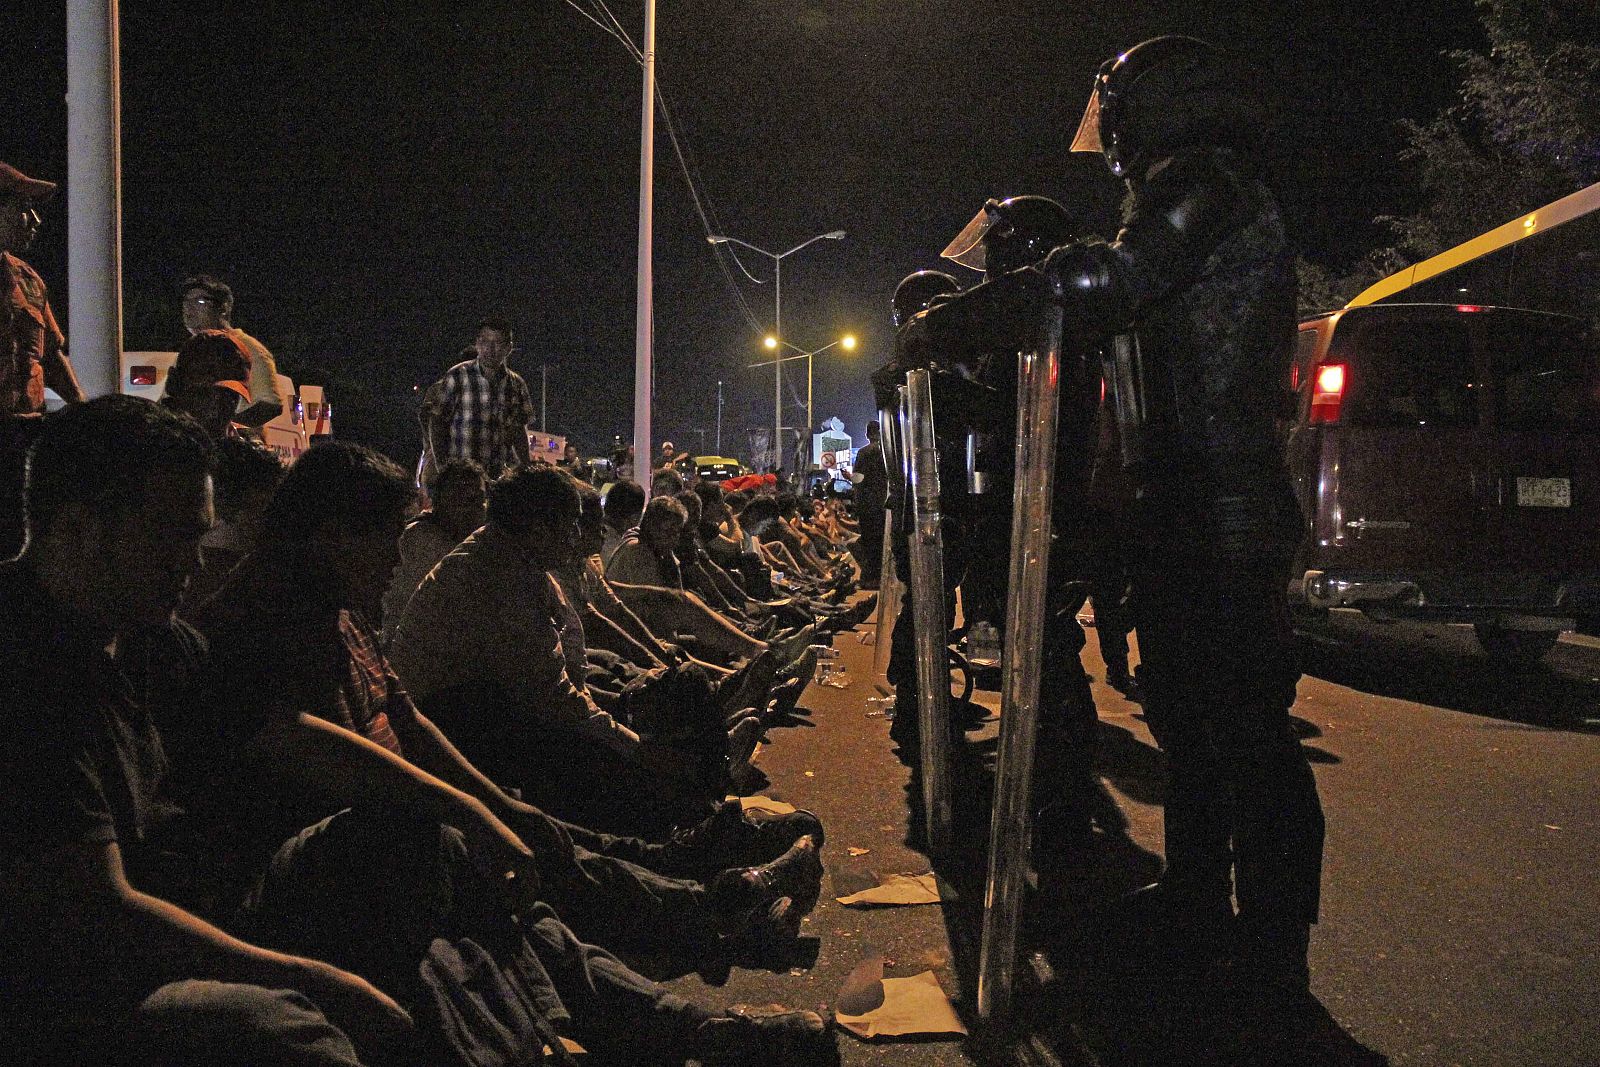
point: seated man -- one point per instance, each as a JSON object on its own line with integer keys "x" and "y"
{"x": 702, "y": 575}
{"x": 314, "y": 720}
{"x": 623, "y": 506}
{"x": 458, "y": 505}
{"x": 609, "y": 624}
{"x": 646, "y": 555}
{"x": 99, "y": 961}
{"x": 209, "y": 379}
{"x": 667, "y": 608}
{"x": 491, "y": 647}
{"x": 247, "y": 474}
{"x": 719, "y": 532}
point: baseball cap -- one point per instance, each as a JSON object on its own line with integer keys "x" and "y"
{"x": 13, "y": 181}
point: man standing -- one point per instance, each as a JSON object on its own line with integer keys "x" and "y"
{"x": 1203, "y": 269}
{"x": 481, "y": 408}
{"x": 33, "y": 351}
{"x": 207, "y": 305}
{"x": 872, "y": 490}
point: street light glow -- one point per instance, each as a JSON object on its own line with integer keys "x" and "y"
{"x": 849, "y": 341}
{"x": 771, "y": 341}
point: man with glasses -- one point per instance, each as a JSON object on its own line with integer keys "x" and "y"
{"x": 33, "y": 351}
{"x": 208, "y": 305}
{"x": 480, "y": 409}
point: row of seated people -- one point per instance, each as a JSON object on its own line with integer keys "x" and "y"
{"x": 232, "y": 835}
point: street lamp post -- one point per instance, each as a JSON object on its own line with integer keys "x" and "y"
{"x": 719, "y": 418}
{"x": 777, "y": 320}
{"x": 846, "y": 342}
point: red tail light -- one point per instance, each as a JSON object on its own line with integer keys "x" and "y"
{"x": 141, "y": 375}
{"x": 1327, "y": 393}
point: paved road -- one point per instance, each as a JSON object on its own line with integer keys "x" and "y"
{"x": 1459, "y": 893}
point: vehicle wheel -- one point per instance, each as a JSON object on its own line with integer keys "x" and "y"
{"x": 961, "y": 692}
{"x": 1518, "y": 648}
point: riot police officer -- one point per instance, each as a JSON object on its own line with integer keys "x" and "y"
{"x": 1201, "y": 272}
{"x": 915, "y": 293}
{"x": 1003, "y": 236}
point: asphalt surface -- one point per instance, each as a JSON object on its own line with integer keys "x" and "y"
{"x": 1459, "y": 890}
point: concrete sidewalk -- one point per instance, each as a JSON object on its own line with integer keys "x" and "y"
{"x": 836, "y": 760}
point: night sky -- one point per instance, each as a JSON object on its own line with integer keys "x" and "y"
{"x": 374, "y": 178}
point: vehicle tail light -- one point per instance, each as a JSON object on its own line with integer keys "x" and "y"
{"x": 1327, "y": 393}
{"x": 141, "y": 375}
{"x": 1468, "y": 307}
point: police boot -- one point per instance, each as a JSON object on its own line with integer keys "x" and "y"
{"x": 1184, "y": 922}
{"x": 1278, "y": 843}
{"x": 1067, "y": 794}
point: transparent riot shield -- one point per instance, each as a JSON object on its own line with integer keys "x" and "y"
{"x": 1038, "y": 378}
{"x": 928, "y": 605}
{"x": 889, "y": 577}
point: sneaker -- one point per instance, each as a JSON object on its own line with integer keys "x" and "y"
{"x": 765, "y": 931}
{"x": 802, "y": 667}
{"x": 748, "y": 685}
{"x": 731, "y": 839}
{"x": 766, "y": 1035}
{"x": 742, "y": 742}
{"x": 797, "y": 874}
{"x": 793, "y": 645}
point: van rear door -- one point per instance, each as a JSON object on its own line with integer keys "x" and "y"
{"x": 1544, "y": 452}
{"x": 1401, "y": 490}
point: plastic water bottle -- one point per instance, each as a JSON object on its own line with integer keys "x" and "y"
{"x": 983, "y": 643}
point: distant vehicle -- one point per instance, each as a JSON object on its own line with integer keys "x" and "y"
{"x": 306, "y": 417}
{"x": 718, "y": 468}
{"x": 1447, "y": 459}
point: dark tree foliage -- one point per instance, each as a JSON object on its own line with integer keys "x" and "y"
{"x": 1525, "y": 132}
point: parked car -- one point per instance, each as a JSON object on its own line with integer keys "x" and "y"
{"x": 717, "y": 468}
{"x": 1447, "y": 459}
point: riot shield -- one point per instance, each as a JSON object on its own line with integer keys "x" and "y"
{"x": 889, "y": 577}
{"x": 1038, "y": 381}
{"x": 928, "y": 605}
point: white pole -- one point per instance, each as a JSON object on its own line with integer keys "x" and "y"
{"x": 643, "y": 456}
{"x": 811, "y": 420}
{"x": 777, "y": 368}
{"x": 94, "y": 195}
{"x": 719, "y": 418}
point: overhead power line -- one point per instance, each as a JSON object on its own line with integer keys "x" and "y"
{"x": 601, "y": 16}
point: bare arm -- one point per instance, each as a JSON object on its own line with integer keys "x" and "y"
{"x": 80, "y": 898}
{"x": 316, "y": 758}
{"x": 59, "y": 375}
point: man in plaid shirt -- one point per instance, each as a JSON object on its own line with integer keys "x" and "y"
{"x": 481, "y": 408}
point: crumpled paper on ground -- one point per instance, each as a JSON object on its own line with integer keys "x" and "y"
{"x": 765, "y": 805}
{"x": 872, "y": 1006}
{"x": 896, "y": 890}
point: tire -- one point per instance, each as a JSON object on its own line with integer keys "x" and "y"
{"x": 959, "y": 665}
{"x": 1516, "y": 648}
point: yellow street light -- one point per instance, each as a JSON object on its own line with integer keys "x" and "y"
{"x": 771, "y": 341}
{"x": 849, "y": 341}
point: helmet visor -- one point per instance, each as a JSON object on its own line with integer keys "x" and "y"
{"x": 1087, "y": 138}
{"x": 967, "y": 249}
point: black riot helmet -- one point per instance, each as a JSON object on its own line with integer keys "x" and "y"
{"x": 1011, "y": 233}
{"x": 916, "y": 291}
{"x": 1166, "y": 94}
